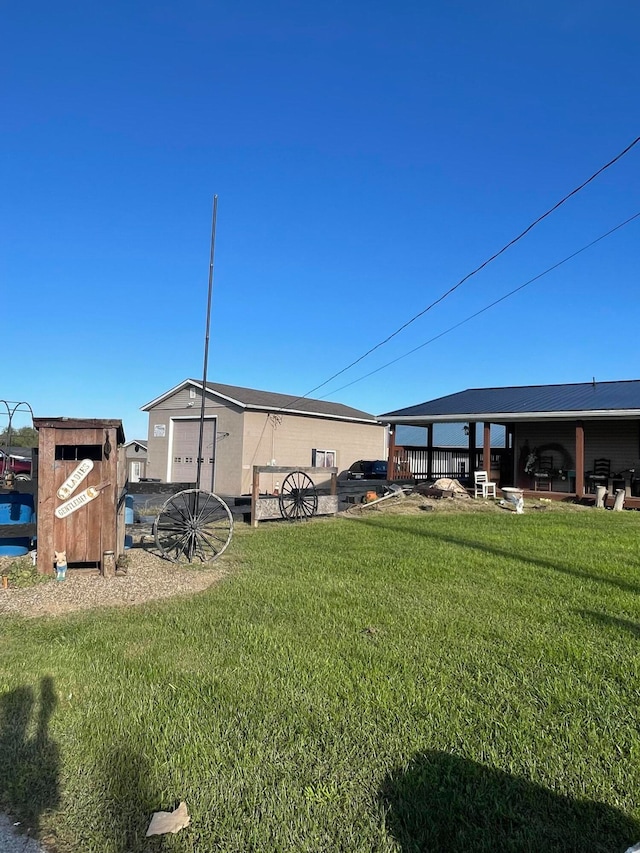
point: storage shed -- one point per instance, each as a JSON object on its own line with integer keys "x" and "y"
{"x": 244, "y": 427}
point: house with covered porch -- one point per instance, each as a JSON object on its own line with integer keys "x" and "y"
{"x": 563, "y": 439}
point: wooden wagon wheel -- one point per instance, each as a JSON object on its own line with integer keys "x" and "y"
{"x": 193, "y": 525}
{"x": 298, "y": 497}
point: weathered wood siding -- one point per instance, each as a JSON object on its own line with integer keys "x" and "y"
{"x": 99, "y": 525}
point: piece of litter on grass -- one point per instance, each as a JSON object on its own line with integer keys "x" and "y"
{"x": 162, "y": 822}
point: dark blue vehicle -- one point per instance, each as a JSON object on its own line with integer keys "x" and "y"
{"x": 365, "y": 469}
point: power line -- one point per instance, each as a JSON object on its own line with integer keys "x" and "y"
{"x": 487, "y": 307}
{"x": 473, "y": 272}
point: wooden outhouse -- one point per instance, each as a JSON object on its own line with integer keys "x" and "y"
{"x": 81, "y": 493}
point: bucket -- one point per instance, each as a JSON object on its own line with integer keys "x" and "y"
{"x": 15, "y": 546}
{"x": 515, "y": 497}
{"x": 128, "y": 509}
{"x": 16, "y": 508}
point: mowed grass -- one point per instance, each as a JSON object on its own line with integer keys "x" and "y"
{"x": 384, "y": 683}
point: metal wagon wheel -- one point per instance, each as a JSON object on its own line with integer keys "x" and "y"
{"x": 298, "y": 497}
{"x": 193, "y": 525}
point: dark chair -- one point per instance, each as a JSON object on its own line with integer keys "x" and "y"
{"x": 599, "y": 474}
{"x": 543, "y": 475}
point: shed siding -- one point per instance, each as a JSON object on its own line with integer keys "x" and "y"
{"x": 248, "y": 438}
{"x": 228, "y": 439}
{"x": 290, "y": 439}
{"x": 135, "y": 463}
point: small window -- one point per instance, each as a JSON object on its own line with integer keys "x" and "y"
{"x": 323, "y": 458}
{"x": 188, "y": 459}
{"x": 177, "y": 459}
{"x": 76, "y": 452}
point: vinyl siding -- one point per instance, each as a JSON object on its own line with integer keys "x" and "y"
{"x": 228, "y": 441}
{"x": 245, "y": 439}
{"x": 617, "y": 440}
{"x": 290, "y": 440}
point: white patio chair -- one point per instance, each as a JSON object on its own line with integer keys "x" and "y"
{"x": 482, "y": 486}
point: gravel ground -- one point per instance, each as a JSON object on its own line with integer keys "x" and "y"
{"x": 12, "y": 842}
{"x": 148, "y": 578}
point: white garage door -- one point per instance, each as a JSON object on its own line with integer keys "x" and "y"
{"x": 184, "y": 463}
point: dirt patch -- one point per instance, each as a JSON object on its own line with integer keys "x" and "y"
{"x": 416, "y": 504}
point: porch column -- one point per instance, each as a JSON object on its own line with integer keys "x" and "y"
{"x": 472, "y": 449}
{"x": 579, "y": 459}
{"x": 429, "y": 451}
{"x": 391, "y": 461}
{"x": 510, "y": 445}
{"x": 486, "y": 449}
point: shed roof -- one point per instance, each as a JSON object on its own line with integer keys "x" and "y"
{"x": 585, "y": 400}
{"x": 270, "y": 401}
{"x": 82, "y": 423}
{"x": 141, "y": 441}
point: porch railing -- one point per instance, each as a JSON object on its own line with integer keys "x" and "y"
{"x": 422, "y": 463}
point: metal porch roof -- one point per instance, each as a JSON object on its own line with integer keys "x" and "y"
{"x": 586, "y": 399}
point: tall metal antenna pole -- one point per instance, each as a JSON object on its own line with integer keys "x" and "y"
{"x": 206, "y": 340}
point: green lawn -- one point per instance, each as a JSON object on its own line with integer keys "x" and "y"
{"x": 430, "y": 682}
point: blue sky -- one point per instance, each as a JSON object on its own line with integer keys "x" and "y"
{"x": 366, "y": 156}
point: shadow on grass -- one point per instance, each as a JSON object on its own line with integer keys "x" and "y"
{"x": 124, "y": 775}
{"x": 446, "y": 803}
{"x": 623, "y": 585}
{"x": 29, "y": 759}
{"x": 612, "y": 621}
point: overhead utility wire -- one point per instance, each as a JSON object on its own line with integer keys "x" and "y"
{"x": 487, "y": 307}
{"x": 473, "y": 272}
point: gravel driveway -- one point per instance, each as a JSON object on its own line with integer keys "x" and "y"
{"x": 148, "y": 578}
{"x": 12, "y": 842}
